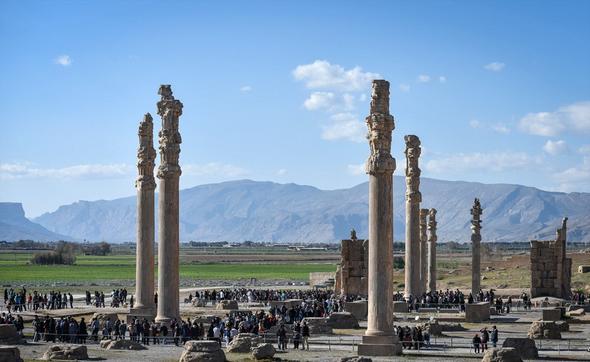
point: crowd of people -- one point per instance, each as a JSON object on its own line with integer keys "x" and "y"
{"x": 20, "y": 300}
{"x": 480, "y": 343}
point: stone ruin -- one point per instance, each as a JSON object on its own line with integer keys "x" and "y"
{"x": 351, "y": 275}
{"x": 551, "y": 270}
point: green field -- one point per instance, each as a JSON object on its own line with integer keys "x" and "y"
{"x": 14, "y": 267}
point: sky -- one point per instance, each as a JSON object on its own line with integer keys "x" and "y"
{"x": 498, "y": 92}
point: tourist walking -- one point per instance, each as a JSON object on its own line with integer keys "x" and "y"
{"x": 476, "y": 342}
{"x": 494, "y": 336}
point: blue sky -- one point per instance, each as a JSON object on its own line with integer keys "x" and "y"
{"x": 498, "y": 92}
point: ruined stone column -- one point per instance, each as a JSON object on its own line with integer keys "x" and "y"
{"x": 413, "y": 199}
{"x": 170, "y": 110}
{"x": 476, "y": 211}
{"x": 145, "y": 184}
{"x": 422, "y": 287}
{"x": 432, "y": 250}
{"x": 379, "y": 339}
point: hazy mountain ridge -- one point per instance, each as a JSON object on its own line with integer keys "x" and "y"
{"x": 267, "y": 211}
{"x": 14, "y": 225}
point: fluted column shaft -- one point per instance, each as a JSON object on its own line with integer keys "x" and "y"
{"x": 422, "y": 286}
{"x": 476, "y": 212}
{"x": 413, "y": 199}
{"x": 432, "y": 238}
{"x": 169, "y": 172}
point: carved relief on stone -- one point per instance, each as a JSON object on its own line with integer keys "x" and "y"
{"x": 432, "y": 225}
{"x": 380, "y": 124}
{"x": 412, "y": 152}
{"x": 476, "y": 211}
{"x": 146, "y": 154}
{"x": 170, "y": 110}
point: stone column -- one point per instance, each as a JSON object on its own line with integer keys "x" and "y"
{"x": 432, "y": 250}
{"x": 145, "y": 184}
{"x": 476, "y": 212}
{"x": 379, "y": 339}
{"x": 423, "y": 288}
{"x": 413, "y": 199}
{"x": 169, "y": 172}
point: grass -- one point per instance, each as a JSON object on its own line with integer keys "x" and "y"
{"x": 15, "y": 267}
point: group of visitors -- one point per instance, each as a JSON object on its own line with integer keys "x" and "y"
{"x": 480, "y": 343}
{"x": 64, "y": 329}
{"x": 19, "y": 300}
{"x": 412, "y": 337}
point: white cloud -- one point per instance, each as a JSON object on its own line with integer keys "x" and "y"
{"x": 319, "y": 100}
{"x": 574, "y": 178}
{"x": 474, "y": 123}
{"x": 63, "y": 60}
{"x": 213, "y": 168}
{"x": 322, "y": 75}
{"x": 500, "y": 128}
{"x": 282, "y": 172}
{"x": 404, "y": 87}
{"x": 423, "y": 78}
{"x": 344, "y": 126}
{"x": 573, "y": 117}
{"x": 9, "y": 171}
{"x": 246, "y": 88}
{"x": 494, "y": 66}
{"x": 356, "y": 169}
{"x": 585, "y": 150}
{"x": 555, "y": 147}
{"x": 495, "y": 161}
{"x": 442, "y": 79}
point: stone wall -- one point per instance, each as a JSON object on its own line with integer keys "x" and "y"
{"x": 551, "y": 271}
{"x": 351, "y": 277}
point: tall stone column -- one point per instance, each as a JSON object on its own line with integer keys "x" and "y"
{"x": 413, "y": 199}
{"x": 379, "y": 339}
{"x": 476, "y": 212}
{"x": 432, "y": 238}
{"x": 170, "y": 110}
{"x": 422, "y": 287}
{"x": 145, "y": 184}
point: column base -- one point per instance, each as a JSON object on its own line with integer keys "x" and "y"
{"x": 378, "y": 346}
{"x": 140, "y": 313}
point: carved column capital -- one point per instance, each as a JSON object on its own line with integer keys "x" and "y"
{"x": 380, "y": 124}
{"x": 146, "y": 154}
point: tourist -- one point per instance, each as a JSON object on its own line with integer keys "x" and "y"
{"x": 282, "y": 338}
{"x": 476, "y": 342}
{"x": 494, "y": 336}
{"x": 485, "y": 337}
{"x": 305, "y": 335}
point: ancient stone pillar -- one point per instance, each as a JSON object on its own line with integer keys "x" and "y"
{"x": 145, "y": 184}
{"x": 413, "y": 199}
{"x": 379, "y": 339}
{"x": 169, "y": 172}
{"x": 422, "y": 286}
{"x": 476, "y": 212}
{"x": 432, "y": 250}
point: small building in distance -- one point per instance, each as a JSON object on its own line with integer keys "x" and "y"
{"x": 551, "y": 270}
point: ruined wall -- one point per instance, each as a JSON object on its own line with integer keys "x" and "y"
{"x": 351, "y": 276}
{"x": 551, "y": 270}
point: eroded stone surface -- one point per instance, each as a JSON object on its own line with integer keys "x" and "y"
{"x": 525, "y": 347}
{"x": 501, "y": 355}
{"x": 263, "y": 351}
{"x": 544, "y": 330}
{"x": 60, "y": 352}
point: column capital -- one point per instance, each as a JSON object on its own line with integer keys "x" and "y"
{"x": 380, "y": 124}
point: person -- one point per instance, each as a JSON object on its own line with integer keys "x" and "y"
{"x": 476, "y": 342}
{"x": 494, "y": 336}
{"x": 82, "y": 331}
{"x": 485, "y": 337}
{"x": 305, "y": 335}
{"x": 282, "y": 337}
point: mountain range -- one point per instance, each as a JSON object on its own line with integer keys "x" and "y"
{"x": 266, "y": 211}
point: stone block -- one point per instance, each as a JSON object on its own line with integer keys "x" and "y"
{"x": 501, "y": 355}
{"x": 263, "y": 351}
{"x": 477, "y": 312}
{"x": 400, "y": 307}
{"x": 318, "y": 325}
{"x": 380, "y": 346}
{"x": 525, "y": 347}
{"x": 9, "y": 335}
{"x": 552, "y": 314}
{"x": 544, "y": 330}
{"x": 10, "y": 354}
{"x": 357, "y": 308}
{"x": 342, "y": 320}
{"x": 66, "y": 353}
{"x": 227, "y": 305}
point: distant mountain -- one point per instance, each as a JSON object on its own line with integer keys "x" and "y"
{"x": 15, "y": 226}
{"x": 266, "y": 211}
